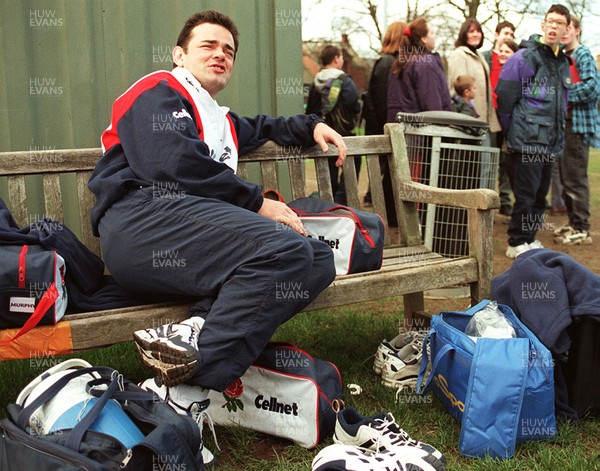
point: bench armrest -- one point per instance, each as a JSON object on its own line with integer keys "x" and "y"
{"x": 483, "y": 199}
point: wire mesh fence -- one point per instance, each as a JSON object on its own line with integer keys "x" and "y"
{"x": 449, "y": 160}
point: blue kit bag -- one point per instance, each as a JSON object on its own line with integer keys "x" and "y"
{"x": 501, "y": 390}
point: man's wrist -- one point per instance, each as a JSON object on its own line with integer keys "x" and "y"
{"x": 313, "y": 120}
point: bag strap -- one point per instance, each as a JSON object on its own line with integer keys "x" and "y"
{"x": 447, "y": 348}
{"x": 77, "y": 433}
{"x": 46, "y": 302}
{"x": 52, "y": 390}
{"x": 477, "y": 307}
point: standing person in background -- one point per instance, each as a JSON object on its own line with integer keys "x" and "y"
{"x": 466, "y": 90}
{"x": 334, "y": 97}
{"x": 504, "y": 36}
{"x": 506, "y": 48}
{"x": 465, "y": 60}
{"x": 417, "y": 81}
{"x": 532, "y": 103}
{"x": 582, "y": 123}
{"x": 375, "y": 106}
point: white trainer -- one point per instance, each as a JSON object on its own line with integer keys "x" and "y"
{"x": 171, "y": 350}
{"x": 387, "y": 348}
{"x": 187, "y": 400}
{"x": 514, "y": 252}
{"x": 348, "y": 458}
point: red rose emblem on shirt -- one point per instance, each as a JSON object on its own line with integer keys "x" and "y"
{"x": 231, "y": 394}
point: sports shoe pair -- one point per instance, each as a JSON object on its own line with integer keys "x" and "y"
{"x": 515, "y": 251}
{"x": 568, "y": 235}
{"x": 399, "y": 360}
{"x": 376, "y": 442}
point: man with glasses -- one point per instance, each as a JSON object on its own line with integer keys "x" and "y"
{"x": 532, "y": 102}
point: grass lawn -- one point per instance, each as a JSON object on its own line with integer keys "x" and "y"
{"x": 349, "y": 337}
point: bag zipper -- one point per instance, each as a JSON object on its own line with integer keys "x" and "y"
{"x": 39, "y": 445}
{"x": 23, "y": 266}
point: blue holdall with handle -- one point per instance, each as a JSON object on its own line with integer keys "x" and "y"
{"x": 501, "y": 390}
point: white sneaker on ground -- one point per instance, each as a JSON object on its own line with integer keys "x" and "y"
{"x": 564, "y": 230}
{"x": 575, "y": 237}
{"x": 171, "y": 350}
{"x": 348, "y": 458}
{"x": 187, "y": 400}
{"x": 514, "y": 252}
{"x": 392, "y": 347}
{"x": 536, "y": 244}
{"x": 378, "y": 433}
{"x": 401, "y": 368}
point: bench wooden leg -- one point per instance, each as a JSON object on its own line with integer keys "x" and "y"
{"x": 414, "y": 311}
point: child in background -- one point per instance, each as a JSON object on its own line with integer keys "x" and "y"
{"x": 465, "y": 88}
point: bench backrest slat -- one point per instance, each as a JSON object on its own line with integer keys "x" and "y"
{"x": 53, "y": 196}
{"x": 272, "y": 160}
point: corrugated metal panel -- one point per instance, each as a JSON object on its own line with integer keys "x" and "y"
{"x": 65, "y": 62}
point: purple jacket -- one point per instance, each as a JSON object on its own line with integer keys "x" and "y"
{"x": 421, "y": 87}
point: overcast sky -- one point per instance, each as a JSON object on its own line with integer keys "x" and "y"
{"x": 319, "y": 16}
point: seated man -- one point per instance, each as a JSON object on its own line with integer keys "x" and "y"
{"x": 174, "y": 218}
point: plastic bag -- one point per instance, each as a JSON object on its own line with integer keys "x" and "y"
{"x": 490, "y": 322}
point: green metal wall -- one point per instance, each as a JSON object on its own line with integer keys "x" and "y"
{"x": 65, "y": 61}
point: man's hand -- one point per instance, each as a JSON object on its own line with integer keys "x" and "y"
{"x": 324, "y": 134}
{"x": 280, "y": 212}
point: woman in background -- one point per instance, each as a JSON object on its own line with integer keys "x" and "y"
{"x": 417, "y": 81}
{"x": 376, "y": 108}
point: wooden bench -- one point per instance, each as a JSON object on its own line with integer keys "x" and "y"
{"x": 409, "y": 268}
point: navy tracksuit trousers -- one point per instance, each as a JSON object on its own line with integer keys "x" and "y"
{"x": 530, "y": 177}
{"x": 249, "y": 274}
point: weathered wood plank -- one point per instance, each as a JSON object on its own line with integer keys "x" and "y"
{"x": 242, "y": 171}
{"x": 297, "y": 178}
{"x": 86, "y": 202}
{"x": 48, "y": 161}
{"x": 17, "y": 196}
{"x": 323, "y": 179}
{"x": 268, "y": 171}
{"x": 376, "y": 189}
{"x": 53, "y": 196}
{"x": 351, "y": 181}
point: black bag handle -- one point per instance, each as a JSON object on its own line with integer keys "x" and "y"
{"x": 91, "y": 416}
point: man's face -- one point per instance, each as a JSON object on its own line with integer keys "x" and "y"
{"x": 505, "y": 33}
{"x": 209, "y": 56}
{"x": 554, "y": 27}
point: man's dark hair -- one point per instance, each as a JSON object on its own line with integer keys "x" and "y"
{"x": 559, "y": 10}
{"x": 329, "y": 53}
{"x": 208, "y": 16}
{"x": 464, "y": 29}
{"x": 505, "y": 24}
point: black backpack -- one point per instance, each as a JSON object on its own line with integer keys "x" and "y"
{"x": 167, "y": 434}
{"x": 334, "y": 113}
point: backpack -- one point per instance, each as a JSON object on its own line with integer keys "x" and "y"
{"x": 117, "y": 426}
{"x": 335, "y": 113}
